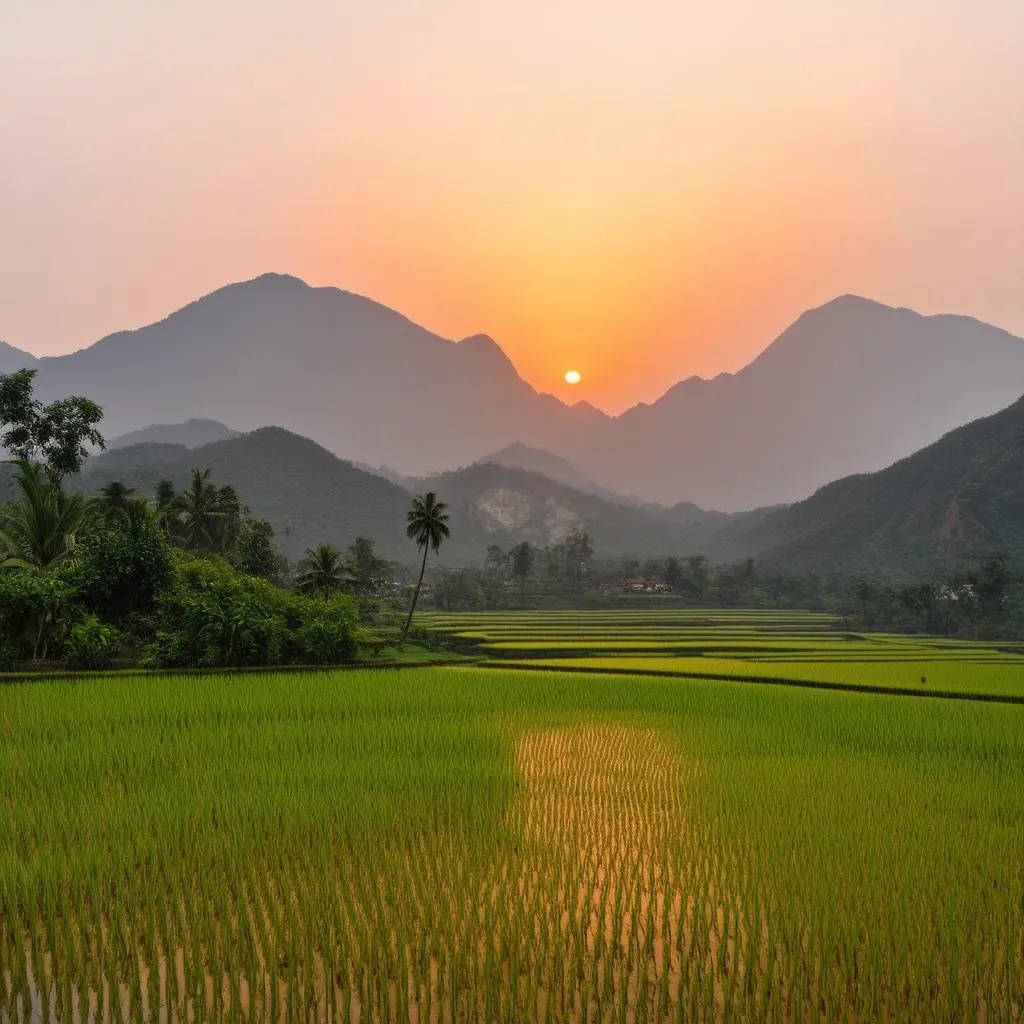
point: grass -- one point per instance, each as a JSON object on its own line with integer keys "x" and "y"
{"x": 453, "y": 843}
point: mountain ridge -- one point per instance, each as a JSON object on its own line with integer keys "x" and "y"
{"x": 959, "y": 499}
{"x": 850, "y": 386}
{"x": 310, "y": 496}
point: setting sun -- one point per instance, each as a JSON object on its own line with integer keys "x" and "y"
{"x": 572, "y": 377}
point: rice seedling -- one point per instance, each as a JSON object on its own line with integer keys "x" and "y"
{"x": 461, "y": 844}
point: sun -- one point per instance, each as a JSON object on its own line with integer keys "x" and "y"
{"x": 572, "y": 377}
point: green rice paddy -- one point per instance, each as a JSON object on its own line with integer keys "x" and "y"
{"x": 779, "y": 647}
{"x": 462, "y": 844}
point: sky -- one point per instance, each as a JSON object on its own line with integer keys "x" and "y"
{"x": 641, "y": 190}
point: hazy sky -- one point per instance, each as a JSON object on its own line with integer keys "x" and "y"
{"x": 640, "y": 189}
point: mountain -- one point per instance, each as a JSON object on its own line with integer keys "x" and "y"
{"x": 507, "y": 505}
{"x": 311, "y": 496}
{"x": 850, "y": 387}
{"x": 191, "y": 434}
{"x": 535, "y": 460}
{"x": 12, "y": 359}
{"x": 348, "y": 372}
{"x": 960, "y": 498}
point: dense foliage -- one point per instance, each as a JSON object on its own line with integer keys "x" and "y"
{"x": 212, "y": 616}
{"x": 189, "y": 579}
{"x": 984, "y": 600}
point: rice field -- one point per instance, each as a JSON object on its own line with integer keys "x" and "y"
{"x": 459, "y": 844}
{"x": 745, "y": 645}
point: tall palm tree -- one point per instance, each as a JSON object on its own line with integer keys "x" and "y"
{"x": 40, "y": 529}
{"x": 427, "y": 524}
{"x": 198, "y": 512}
{"x": 322, "y": 572}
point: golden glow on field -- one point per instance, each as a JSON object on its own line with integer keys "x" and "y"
{"x": 572, "y": 377}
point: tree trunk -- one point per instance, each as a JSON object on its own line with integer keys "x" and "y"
{"x": 415, "y": 594}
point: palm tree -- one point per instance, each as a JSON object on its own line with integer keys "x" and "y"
{"x": 41, "y": 528}
{"x": 114, "y": 496}
{"x": 322, "y": 572}
{"x": 138, "y": 516}
{"x": 197, "y": 514}
{"x": 226, "y": 534}
{"x": 427, "y": 524}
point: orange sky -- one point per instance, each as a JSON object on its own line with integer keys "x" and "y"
{"x": 639, "y": 190}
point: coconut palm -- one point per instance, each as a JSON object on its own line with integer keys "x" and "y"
{"x": 114, "y": 496}
{"x": 427, "y": 524}
{"x": 137, "y": 517}
{"x": 197, "y": 514}
{"x": 40, "y": 530}
{"x": 322, "y": 572}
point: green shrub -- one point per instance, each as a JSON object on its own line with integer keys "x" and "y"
{"x": 212, "y": 616}
{"x": 32, "y": 604}
{"x": 90, "y": 644}
{"x": 329, "y": 630}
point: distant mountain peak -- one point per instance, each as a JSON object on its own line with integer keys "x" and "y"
{"x": 850, "y": 300}
{"x": 273, "y": 278}
{"x": 193, "y": 433}
{"x": 12, "y": 358}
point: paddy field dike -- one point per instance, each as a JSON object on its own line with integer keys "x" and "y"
{"x": 613, "y": 816}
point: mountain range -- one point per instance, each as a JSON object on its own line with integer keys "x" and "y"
{"x": 310, "y": 496}
{"x": 959, "y": 499}
{"x": 850, "y": 387}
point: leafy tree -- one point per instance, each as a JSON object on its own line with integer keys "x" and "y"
{"x": 122, "y": 567}
{"x": 459, "y": 591}
{"x": 522, "y": 565}
{"x": 579, "y": 550}
{"x": 254, "y": 551}
{"x": 427, "y": 525}
{"x": 697, "y": 577}
{"x": 322, "y": 572}
{"x": 652, "y": 568}
{"x": 369, "y": 570}
{"x": 991, "y": 586}
{"x": 496, "y": 562}
{"x": 41, "y": 529}
{"x": 673, "y": 573}
{"x": 32, "y": 604}
{"x": 58, "y": 434}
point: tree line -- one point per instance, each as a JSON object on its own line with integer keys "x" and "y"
{"x": 183, "y": 578}
{"x": 985, "y": 600}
